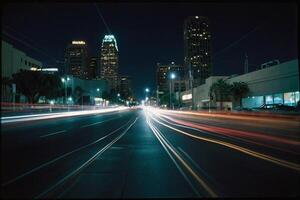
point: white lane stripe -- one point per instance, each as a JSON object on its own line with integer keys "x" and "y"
{"x": 53, "y": 133}
{"x": 99, "y": 122}
{"x": 60, "y": 157}
{"x": 173, "y": 150}
{"x": 172, "y": 158}
{"x": 86, "y": 163}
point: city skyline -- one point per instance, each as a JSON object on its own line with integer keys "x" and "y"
{"x": 150, "y": 100}
{"x": 230, "y": 42}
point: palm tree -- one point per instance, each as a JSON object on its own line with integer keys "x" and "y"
{"x": 239, "y": 90}
{"x": 220, "y": 89}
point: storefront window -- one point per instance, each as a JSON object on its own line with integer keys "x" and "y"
{"x": 269, "y": 99}
{"x": 278, "y": 98}
{"x": 252, "y": 102}
{"x": 297, "y": 97}
{"x": 290, "y": 98}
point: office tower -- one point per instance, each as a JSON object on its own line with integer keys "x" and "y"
{"x": 197, "y": 49}
{"x": 109, "y": 60}
{"x": 125, "y": 87}
{"x": 76, "y": 58}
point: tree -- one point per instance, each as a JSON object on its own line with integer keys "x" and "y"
{"x": 221, "y": 90}
{"x": 239, "y": 90}
{"x": 51, "y": 86}
{"x": 28, "y": 83}
{"x": 78, "y": 95}
{"x": 34, "y": 84}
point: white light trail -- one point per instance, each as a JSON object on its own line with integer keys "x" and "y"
{"x": 23, "y": 118}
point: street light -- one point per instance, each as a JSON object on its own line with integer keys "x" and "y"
{"x": 172, "y": 76}
{"x": 146, "y": 90}
{"x": 65, "y": 81}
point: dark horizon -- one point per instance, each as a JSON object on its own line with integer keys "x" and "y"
{"x": 148, "y": 33}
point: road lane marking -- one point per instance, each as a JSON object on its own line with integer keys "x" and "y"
{"x": 172, "y": 149}
{"x": 174, "y": 161}
{"x": 272, "y": 159}
{"x": 53, "y": 133}
{"x": 60, "y": 157}
{"x": 84, "y": 165}
{"x": 84, "y": 126}
{"x": 196, "y": 165}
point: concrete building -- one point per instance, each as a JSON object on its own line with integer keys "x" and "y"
{"x": 12, "y": 61}
{"x": 91, "y": 88}
{"x": 76, "y": 58}
{"x": 278, "y": 84}
{"x": 109, "y": 61}
{"x": 197, "y": 50}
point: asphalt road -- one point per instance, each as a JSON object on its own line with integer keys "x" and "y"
{"x": 149, "y": 153}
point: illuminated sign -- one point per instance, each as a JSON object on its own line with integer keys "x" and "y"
{"x": 78, "y": 42}
{"x": 44, "y": 69}
{"x": 187, "y": 96}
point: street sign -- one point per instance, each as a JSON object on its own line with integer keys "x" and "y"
{"x": 160, "y": 92}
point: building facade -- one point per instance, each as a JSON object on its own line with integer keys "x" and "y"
{"x": 93, "y": 90}
{"x": 278, "y": 84}
{"x": 76, "y": 58}
{"x": 109, "y": 61}
{"x": 125, "y": 87}
{"x": 12, "y": 61}
{"x": 197, "y": 50}
{"x": 165, "y": 84}
{"x": 91, "y": 69}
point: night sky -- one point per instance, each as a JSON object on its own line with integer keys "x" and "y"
{"x": 148, "y": 33}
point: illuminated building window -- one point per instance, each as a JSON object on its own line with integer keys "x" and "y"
{"x": 291, "y": 98}
{"x": 269, "y": 99}
{"x": 278, "y": 98}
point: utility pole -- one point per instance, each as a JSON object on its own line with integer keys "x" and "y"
{"x": 191, "y": 80}
{"x": 14, "y": 95}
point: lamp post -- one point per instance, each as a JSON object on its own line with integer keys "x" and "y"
{"x": 65, "y": 81}
{"x": 172, "y": 76}
{"x": 146, "y": 90}
{"x": 69, "y": 99}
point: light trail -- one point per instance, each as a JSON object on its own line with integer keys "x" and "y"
{"x": 239, "y": 133}
{"x": 258, "y": 117}
{"x": 23, "y": 118}
{"x": 197, "y": 127}
{"x": 236, "y": 147}
{"x": 166, "y": 144}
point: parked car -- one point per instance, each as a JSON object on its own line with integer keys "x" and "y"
{"x": 239, "y": 108}
{"x": 276, "y": 107}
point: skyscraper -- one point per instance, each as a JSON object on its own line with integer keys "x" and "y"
{"x": 109, "y": 60}
{"x": 125, "y": 87}
{"x": 76, "y": 58}
{"x": 164, "y": 82}
{"x": 92, "y": 68}
{"x": 197, "y": 49}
